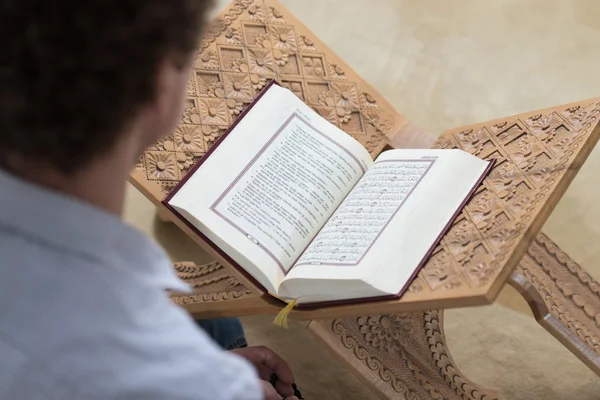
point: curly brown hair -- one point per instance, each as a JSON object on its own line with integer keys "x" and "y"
{"x": 75, "y": 72}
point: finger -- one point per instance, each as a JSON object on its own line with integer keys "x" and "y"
{"x": 275, "y": 363}
{"x": 283, "y": 389}
{"x": 269, "y": 391}
{"x": 264, "y": 373}
{"x": 291, "y": 398}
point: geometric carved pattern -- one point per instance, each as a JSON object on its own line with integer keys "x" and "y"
{"x": 533, "y": 152}
{"x": 406, "y": 356}
{"x": 249, "y": 44}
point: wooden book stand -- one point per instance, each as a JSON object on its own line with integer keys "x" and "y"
{"x": 495, "y": 241}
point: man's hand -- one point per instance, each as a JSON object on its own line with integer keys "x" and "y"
{"x": 267, "y": 363}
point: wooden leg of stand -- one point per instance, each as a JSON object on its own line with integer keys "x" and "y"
{"x": 564, "y": 299}
{"x": 399, "y": 356}
{"x": 405, "y": 356}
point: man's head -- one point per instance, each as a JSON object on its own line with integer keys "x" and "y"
{"x": 81, "y": 76}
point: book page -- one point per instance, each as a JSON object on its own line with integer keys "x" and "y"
{"x": 286, "y": 193}
{"x": 365, "y": 213}
{"x": 272, "y": 183}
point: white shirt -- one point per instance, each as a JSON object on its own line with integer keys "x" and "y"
{"x": 84, "y": 313}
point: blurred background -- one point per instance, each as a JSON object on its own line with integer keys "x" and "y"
{"x": 443, "y": 64}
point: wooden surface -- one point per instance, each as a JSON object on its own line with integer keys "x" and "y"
{"x": 406, "y": 355}
{"x": 538, "y": 155}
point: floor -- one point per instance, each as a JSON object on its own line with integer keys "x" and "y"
{"x": 444, "y": 64}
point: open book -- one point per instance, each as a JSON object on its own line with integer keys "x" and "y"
{"x": 301, "y": 207}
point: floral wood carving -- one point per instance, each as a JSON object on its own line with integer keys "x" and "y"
{"x": 250, "y": 43}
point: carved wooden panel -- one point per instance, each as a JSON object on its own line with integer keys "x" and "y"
{"x": 252, "y": 42}
{"x": 569, "y": 298}
{"x": 537, "y": 154}
{"x": 405, "y": 356}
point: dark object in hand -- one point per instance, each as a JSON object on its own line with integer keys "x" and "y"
{"x": 296, "y": 391}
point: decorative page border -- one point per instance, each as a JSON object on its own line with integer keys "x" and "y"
{"x": 213, "y": 207}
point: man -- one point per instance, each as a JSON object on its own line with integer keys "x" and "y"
{"x": 87, "y": 86}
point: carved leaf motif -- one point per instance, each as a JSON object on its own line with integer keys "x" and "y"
{"x": 207, "y": 60}
{"x": 344, "y": 114}
{"x": 336, "y": 72}
{"x": 367, "y": 101}
{"x": 371, "y": 117}
{"x": 281, "y": 57}
{"x": 256, "y": 12}
{"x": 232, "y": 35}
{"x": 192, "y": 116}
{"x": 276, "y": 14}
{"x": 235, "y": 106}
{"x": 216, "y": 90}
{"x": 264, "y": 40}
{"x": 258, "y": 81}
{"x": 326, "y": 98}
{"x": 306, "y": 44}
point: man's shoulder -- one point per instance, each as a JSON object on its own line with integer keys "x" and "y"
{"x": 75, "y": 328}
{"x": 140, "y": 367}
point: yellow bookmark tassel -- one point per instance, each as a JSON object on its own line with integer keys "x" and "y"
{"x": 282, "y": 317}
